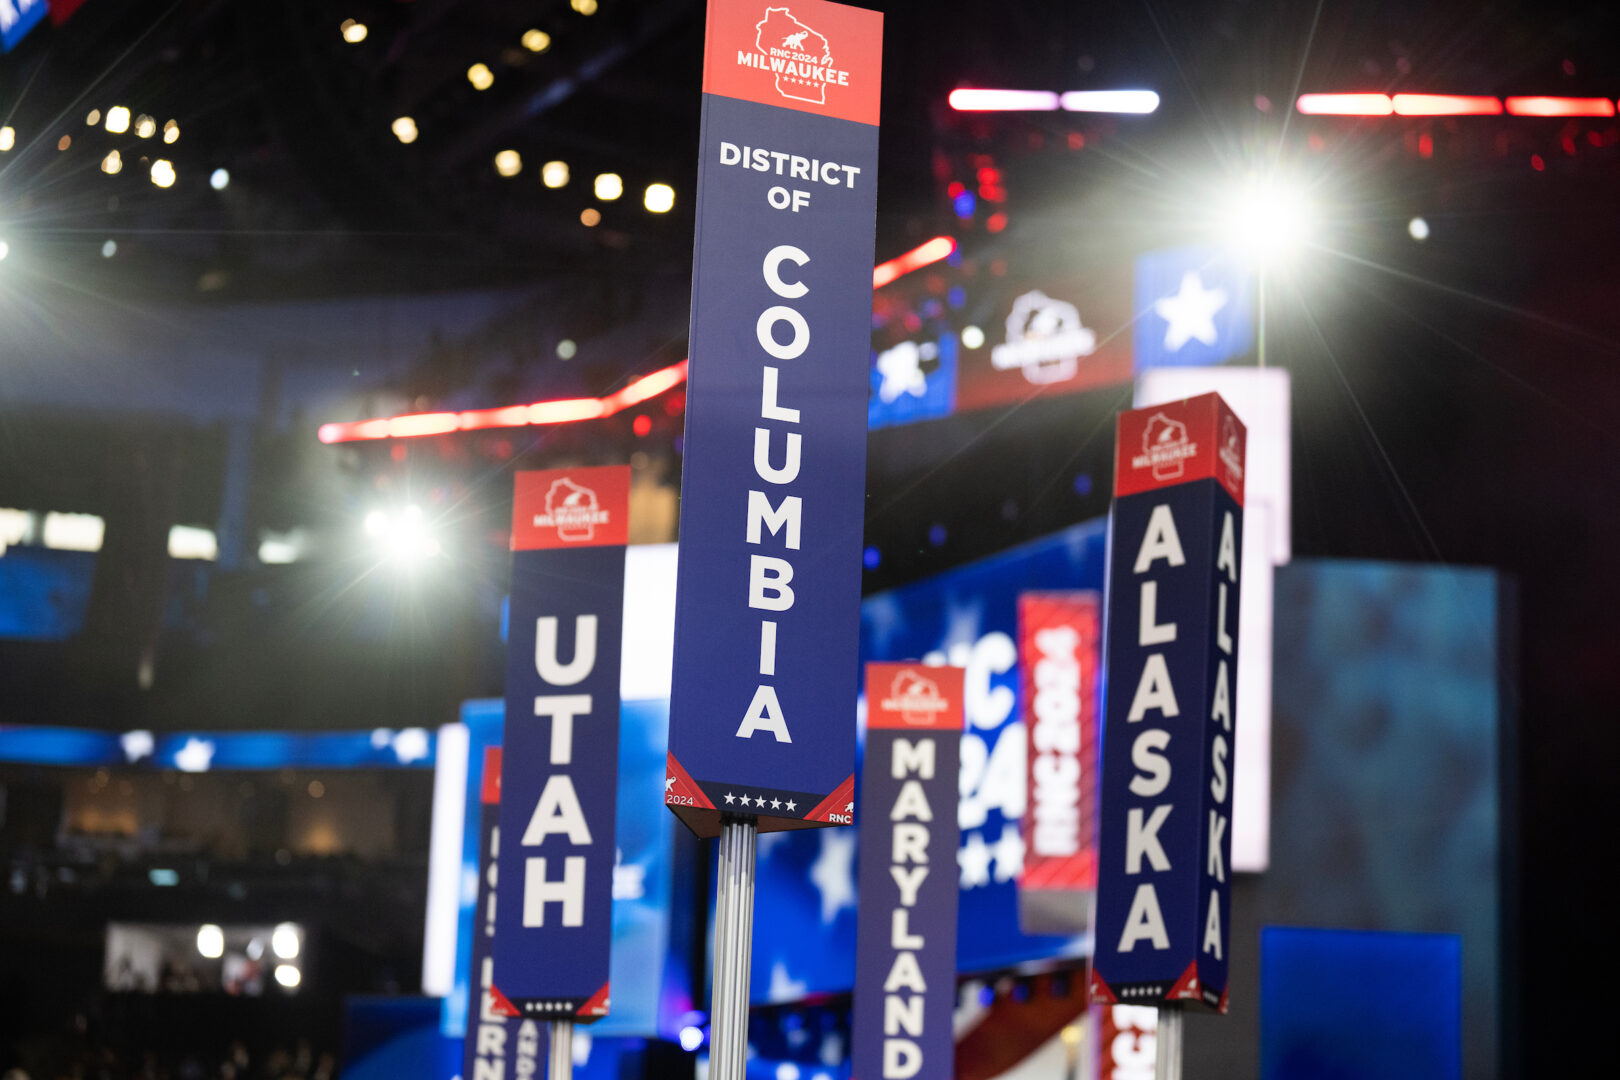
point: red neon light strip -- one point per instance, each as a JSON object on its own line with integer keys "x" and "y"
{"x": 1446, "y": 105}
{"x": 1559, "y": 106}
{"x": 568, "y": 410}
{"x": 1344, "y": 104}
{"x": 975, "y": 100}
{"x": 940, "y": 247}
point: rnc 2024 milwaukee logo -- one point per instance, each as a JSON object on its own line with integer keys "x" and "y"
{"x": 572, "y": 510}
{"x": 800, "y": 58}
{"x": 915, "y": 698}
{"x": 1165, "y": 448}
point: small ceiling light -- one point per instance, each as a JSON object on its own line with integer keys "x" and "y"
{"x": 145, "y": 126}
{"x": 480, "y": 76}
{"x": 93, "y": 119}
{"x": 113, "y": 163}
{"x": 590, "y": 217}
{"x": 288, "y": 976}
{"x": 353, "y": 32}
{"x": 554, "y": 174}
{"x": 404, "y": 129}
{"x": 285, "y": 941}
{"x": 109, "y": 249}
{"x": 566, "y": 349}
{"x": 609, "y": 186}
{"x": 163, "y": 172}
{"x": 536, "y": 41}
{"x": 584, "y": 7}
{"x": 659, "y": 198}
{"x": 171, "y": 132}
{"x": 8, "y": 138}
{"x": 64, "y": 142}
{"x": 219, "y": 179}
{"x": 508, "y": 163}
{"x": 118, "y": 119}
{"x": 972, "y": 337}
{"x": 5, "y": 249}
{"x": 1418, "y": 229}
{"x": 211, "y": 941}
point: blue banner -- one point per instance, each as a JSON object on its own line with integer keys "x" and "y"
{"x": 202, "y": 751}
{"x": 1163, "y": 895}
{"x": 559, "y": 773}
{"x": 17, "y": 17}
{"x": 773, "y": 490}
{"x": 500, "y": 1045}
{"x": 905, "y": 961}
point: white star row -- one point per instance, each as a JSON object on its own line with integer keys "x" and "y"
{"x": 548, "y": 1007}
{"x": 760, "y": 802}
{"x": 1140, "y": 991}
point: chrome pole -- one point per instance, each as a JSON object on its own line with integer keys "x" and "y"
{"x": 733, "y": 949}
{"x": 562, "y": 1049}
{"x": 1167, "y": 1058}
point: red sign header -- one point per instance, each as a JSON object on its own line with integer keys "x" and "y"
{"x": 560, "y": 508}
{"x": 913, "y": 696}
{"x": 808, "y": 55}
{"x": 1193, "y": 439}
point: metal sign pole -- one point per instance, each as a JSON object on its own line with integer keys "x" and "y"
{"x": 562, "y": 1049}
{"x": 1167, "y": 1056}
{"x": 733, "y": 949}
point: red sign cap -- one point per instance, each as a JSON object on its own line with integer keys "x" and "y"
{"x": 913, "y": 696}
{"x": 560, "y": 508}
{"x": 808, "y": 55}
{"x": 1196, "y": 438}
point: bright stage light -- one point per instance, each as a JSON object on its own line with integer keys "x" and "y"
{"x": 976, "y": 100}
{"x": 1133, "y": 102}
{"x": 659, "y": 198}
{"x": 219, "y": 179}
{"x": 1418, "y": 229}
{"x": 1270, "y": 221}
{"x": 353, "y": 32}
{"x": 8, "y": 138}
{"x": 113, "y": 163}
{"x": 1446, "y": 105}
{"x": 285, "y": 941}
{"x": 163, "y": 173}
{"x": 508, "y": 163}
{"x": 480, "y": 76}
{"x": 405, "y": 537}
{"x": 109, "y": 249}
{"x": 5, "y": 249}
{"x": 608, "y": 186}
{"x": 584, "y": 7}
{"x": 1345, "y": 105}
{"x": 171, "y": 131}
{"x": 536, "y": 41}
{"x": 1559, "y": 106}
{"x": 93, "y": 119}
{"x": 554, "y": 174}
{"x": 404, "y": 129}
{"x": 288, "y": 976}
{"x": 691, "y": 1038}
{"x": 118, "y": 119}
{"x": 145, "y": 126}
{"x": 211, "y": 941}
{"x": 590, "y": 217}
{"x": 972, "y": 337}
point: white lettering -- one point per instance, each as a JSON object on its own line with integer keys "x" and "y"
{"x": 783, "y": 519}
{"x": 1153, "y": 691}
{"x": 1153, "y": 767}
{"x": 768, "y": 579}
{"x": 545, "y": 650}
{"x": 774, "y": 259}
{"x": 764, "y": 714}
{"x": 765, "y": 328}
{"x": 569, "y": 892}
{"x": 562, "y": 708}
{"x": 1145, "y": 922}
{"x": 1143, "y": 840}
{"x": 762, "y": 457}
{"x": 557, "y": 811}
{"x": 1161, "y": 540}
